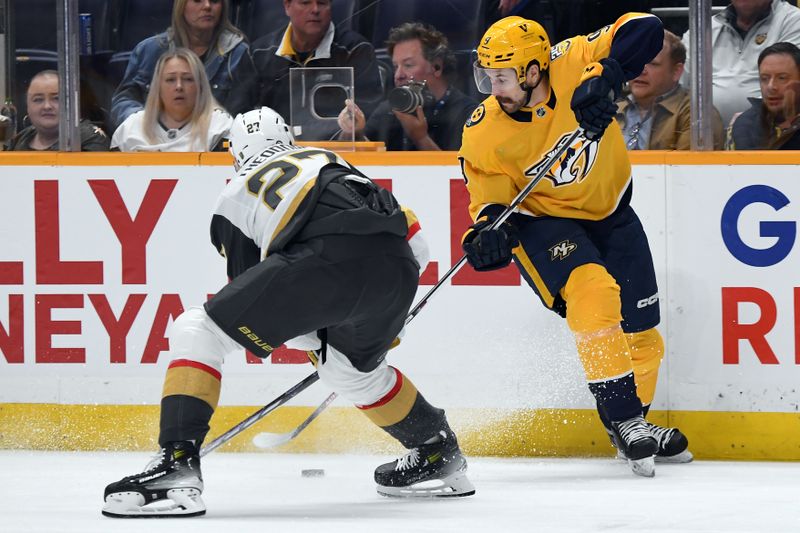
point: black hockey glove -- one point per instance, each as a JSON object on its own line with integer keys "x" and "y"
{"x": 593, "y": 99}
{"x": 489, "y": 249}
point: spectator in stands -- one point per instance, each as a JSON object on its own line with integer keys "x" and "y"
{"x": 180, "y": 114}
{"x": 738, "y": 35}
{"x": 204, "y": 27}
{"x": 312, "y": 40}
{"x": 773, "y": 121}
{"x": 656, "y": 113}
{"x": 419, "y": 53}
{"x": 42, "y": 134}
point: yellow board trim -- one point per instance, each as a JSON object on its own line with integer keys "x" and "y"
{"x": 481, "y": 432}
{"x": 638, "y": 157}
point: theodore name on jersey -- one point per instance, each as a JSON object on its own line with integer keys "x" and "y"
{"x": 267, "y": 193}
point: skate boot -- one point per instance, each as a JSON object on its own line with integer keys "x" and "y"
{"x": 170, "y": 486}
{"x": 633, "y": 438}
{"x": 434, "y": 470}
{"x": 672, "y": 445}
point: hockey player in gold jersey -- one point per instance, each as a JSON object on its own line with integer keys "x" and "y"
{"x": 574, "y": 238}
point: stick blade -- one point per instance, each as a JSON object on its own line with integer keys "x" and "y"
{"x": 271, "y": 440}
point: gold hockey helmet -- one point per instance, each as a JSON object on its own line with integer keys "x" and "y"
{"x": 513, "y": 42}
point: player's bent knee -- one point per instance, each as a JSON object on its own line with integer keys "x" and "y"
{"x": 194, "y": 336}
{"x": 647, "y": 347}
{"x": 360, "y": 388}
{"x": 593, "y": 299}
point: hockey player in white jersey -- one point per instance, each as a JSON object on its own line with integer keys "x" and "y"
{"x": 322, "y": 259}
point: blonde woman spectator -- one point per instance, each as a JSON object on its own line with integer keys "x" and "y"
{"x": 204, "y": 27}
{"x": 180, "y": 114}
{"x": 43, "y": 109}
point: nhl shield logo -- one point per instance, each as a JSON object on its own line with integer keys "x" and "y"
{"x": 760, "y": 38}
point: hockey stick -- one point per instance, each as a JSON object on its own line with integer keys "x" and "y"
{"x": 271, "y": 440}
{"x": 308, "y": 381}
{"x": 258, "y": 415}
{"x": 503, "y": 216}
{"x": 267, "y": 440}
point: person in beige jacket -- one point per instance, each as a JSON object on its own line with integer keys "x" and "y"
{"x": 655, "y": 115}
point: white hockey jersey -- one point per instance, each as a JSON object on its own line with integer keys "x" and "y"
{"x": 271, "y": 199}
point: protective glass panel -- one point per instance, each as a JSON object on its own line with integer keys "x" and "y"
{"x": 30, "y": 104}
{"x": 317, "y": 98}
{"x": 29, "y": 47}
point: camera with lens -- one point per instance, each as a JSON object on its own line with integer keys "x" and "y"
{"x": 407, "y": 98}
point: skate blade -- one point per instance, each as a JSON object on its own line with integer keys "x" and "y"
{"x": 679, "y": 458}
{"x": 645, "y": 467}
{"x": 452, "y": 486}
{"x": 180, "y": 503}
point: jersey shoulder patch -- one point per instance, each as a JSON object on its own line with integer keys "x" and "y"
{"x": 477, "y": 116}
{"x": 559, "y": 49}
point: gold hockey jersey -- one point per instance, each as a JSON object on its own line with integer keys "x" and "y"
{"x": 501, "y": 152}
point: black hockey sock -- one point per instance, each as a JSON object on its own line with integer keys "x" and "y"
{"x": 184, "y": 418}
{"x": 616, "y": 399}
{"x": 405, "y": 414}
{"x": 423, "y": 423}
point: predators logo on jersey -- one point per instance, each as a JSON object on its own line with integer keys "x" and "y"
{"x": 559, "y": 49}
{"x": 501, "y": 151}
{"x": 576, "y": 162}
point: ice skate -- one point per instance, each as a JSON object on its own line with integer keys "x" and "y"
{"x": 672, "y": 445}
{"x": 634, "y": 439}
{"x": 170, "y": 486}
{"x": 435, "y": 470}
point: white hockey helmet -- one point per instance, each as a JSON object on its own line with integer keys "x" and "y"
{"x": 255, "y": 131}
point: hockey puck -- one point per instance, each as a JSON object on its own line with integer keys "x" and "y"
{"x": 312, "y": 472}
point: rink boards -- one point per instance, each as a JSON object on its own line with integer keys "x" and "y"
{"x": 101, "y": 252}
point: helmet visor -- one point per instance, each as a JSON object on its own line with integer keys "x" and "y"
{"x": 488, "y": 80}
{"x": 482, "y": 80}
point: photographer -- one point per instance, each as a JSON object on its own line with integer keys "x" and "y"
{"x": 424, "y": 111}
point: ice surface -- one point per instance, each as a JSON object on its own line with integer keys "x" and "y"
{"x": 62, "y": 492}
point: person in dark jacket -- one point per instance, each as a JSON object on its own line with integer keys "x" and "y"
{"x": 312, "y": 40}
{"x": 42, "y": 134}
{"x": 204, "y": 27}
{"x": 773, "y": 121}
{"x": 420, "y": 54}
